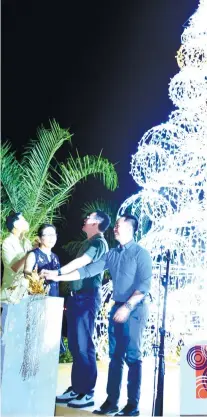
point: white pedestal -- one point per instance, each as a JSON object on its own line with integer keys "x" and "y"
{"x": 32, "y": 341}
{"x": 193, "y": 374}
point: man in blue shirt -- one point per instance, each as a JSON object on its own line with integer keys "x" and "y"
{"x": 130, "y": 266}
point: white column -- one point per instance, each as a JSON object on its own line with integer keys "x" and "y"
{"x": 32, "y": 340}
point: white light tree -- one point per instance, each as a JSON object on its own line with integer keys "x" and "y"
{"x": 170, "y": 166}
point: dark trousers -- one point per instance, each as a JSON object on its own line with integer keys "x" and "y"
{"x": 82, "y": 309}
{"x": 125, "y": 345}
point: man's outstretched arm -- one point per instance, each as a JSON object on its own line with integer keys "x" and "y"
{"x": 72, "y": 276}
{"x": 84, "y": 272}
{"x": 70, "y": 267}
{"x": 94, "y": 251}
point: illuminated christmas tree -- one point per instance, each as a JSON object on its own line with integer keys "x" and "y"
{"x": 170, "y": 166}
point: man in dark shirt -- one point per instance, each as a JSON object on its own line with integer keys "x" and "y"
{"x": 82, "y": 306}
{"x": 130, "y": 266}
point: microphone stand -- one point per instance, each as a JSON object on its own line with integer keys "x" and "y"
{"x": 158, "y": 404}
{"x": 155, "y": 345}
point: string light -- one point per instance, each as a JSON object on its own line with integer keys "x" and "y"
{"x": 170, "y": 166}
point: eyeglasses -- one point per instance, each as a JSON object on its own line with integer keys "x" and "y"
{"x": 93, "y": 218}
{"x": 51, "y": 235}
{"x": 96, "y": 218}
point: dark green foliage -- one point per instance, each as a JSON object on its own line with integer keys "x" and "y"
{"x": 38, "y": 185}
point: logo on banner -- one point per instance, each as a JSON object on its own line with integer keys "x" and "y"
{"x": 197, "y": 359}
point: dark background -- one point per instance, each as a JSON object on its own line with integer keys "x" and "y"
{"x": 101, "y": 68}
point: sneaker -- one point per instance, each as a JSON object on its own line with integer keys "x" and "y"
{"x": 107, "y": 409}
{"x": 68, "y": 395}
{"x": 81, "y": 401}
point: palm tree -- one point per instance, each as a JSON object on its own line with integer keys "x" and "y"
{"x": 38, "y": 185}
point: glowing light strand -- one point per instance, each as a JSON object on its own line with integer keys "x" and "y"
{"x": 170, "y": 165}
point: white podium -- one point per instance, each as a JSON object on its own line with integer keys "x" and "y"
{"x": 193, "y": 374}
{"x": 32, "y": 341}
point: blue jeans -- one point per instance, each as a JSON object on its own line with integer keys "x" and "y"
{"x": 125, "y": 346}
{"x": 82, "y": 309}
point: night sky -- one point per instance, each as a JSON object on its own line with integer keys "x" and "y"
{"x": 101, "y": 68}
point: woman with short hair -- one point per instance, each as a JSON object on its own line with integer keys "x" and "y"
{"x": 42, "y": 257}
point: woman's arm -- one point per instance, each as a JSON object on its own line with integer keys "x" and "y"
{"x": 29, "y": 263}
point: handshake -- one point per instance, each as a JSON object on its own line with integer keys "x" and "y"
{"x": 49, "y": 275}
{"x": 56, "y": 276}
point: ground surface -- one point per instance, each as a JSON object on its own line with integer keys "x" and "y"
{"x": 171, "y": 397}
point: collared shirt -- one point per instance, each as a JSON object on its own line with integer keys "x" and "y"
{"x": 130, "y": 267}
{"x": 95, "y": 247}
{"x": 13, "y": 249}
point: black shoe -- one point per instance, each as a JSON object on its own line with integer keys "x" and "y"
{"x": 106, "y": 408}
{"x": 128, "y": 410}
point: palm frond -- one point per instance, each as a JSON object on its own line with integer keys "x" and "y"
{"x": 36, "y": 163}
{"x": 58, "y": 191}
{"x": 73, "y": 246}
{"x": 11, "y": 173}
{"x": 39, "y": 185}
{"x": 79, "y": 169}
{"x": 48, "y": 209}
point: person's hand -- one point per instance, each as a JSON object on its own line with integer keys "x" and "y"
{"x": 47, "y": 274}
{"x": 121, "y": 314}
{"x": 52, "y": 277}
